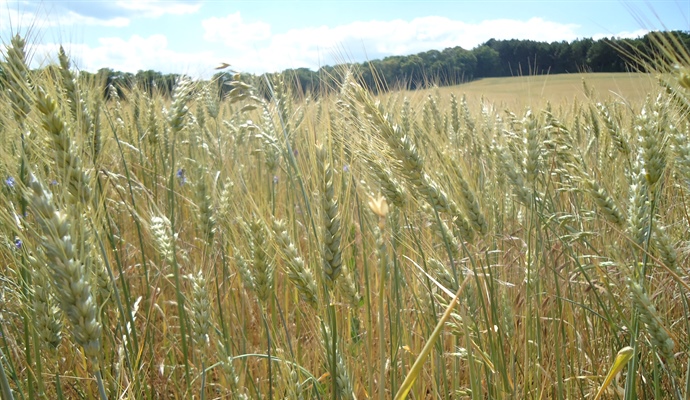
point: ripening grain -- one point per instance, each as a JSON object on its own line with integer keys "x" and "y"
{"x": 266, "y": 245}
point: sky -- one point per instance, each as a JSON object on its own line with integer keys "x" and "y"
{"x": 194, "y": 36}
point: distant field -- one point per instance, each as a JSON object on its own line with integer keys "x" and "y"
{"x": 535, "y": 91}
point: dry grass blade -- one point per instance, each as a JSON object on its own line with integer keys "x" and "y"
{"x": 624, "y": 355}
{"x": 416, "y": 369}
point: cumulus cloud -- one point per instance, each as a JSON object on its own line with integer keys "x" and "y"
{"x": 253, "y": 48}
{"x": 20, "y": 14}
{"x": 233, "y": 32}
{"x": 131, "y": 55}
{"x": 72, "y": 18}
{"x": 622, "y": 35}
{"x": 156, "y": 8}
{"x": 17, "y": 17}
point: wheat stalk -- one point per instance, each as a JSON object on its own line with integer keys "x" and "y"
{"x": 297, "y": 271}
{"x": 69, "y": 273}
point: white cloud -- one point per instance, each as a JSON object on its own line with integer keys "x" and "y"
{"x": 622, "y": 35}
{"x": 131, "y": 55}
{"x": 72, "y": 18}
{"x": 42, "y": 17}
{"x": 233, "y": 32}
{"x": 156, "y": 8}
{"x": 23, "y": 14}
{"x": 357, "y": 41}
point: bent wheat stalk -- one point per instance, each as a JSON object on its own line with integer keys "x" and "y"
{"x": 419, "y": 362}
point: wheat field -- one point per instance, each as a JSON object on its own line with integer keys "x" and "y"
{"x": 429, "y": 245}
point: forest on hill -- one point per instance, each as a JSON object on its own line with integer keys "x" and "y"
{"x": 499, "y": 58}
{"x": 451, "y": 66}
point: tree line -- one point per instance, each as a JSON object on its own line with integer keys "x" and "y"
{"x": 497, "y": 58}
{"x": 454, "y": 65}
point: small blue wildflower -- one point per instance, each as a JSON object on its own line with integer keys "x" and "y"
{"x": 346, "y": 168}
{"x": 295, "y": 152}
{"x": 53, "y": 182}
{"x": 10, "y": 182}
{"x": 181, "y": 176}
{"x": 18, "y": 243}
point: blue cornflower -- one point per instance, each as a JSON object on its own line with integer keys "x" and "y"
{"x": 18, "y": 243}
{"x": 10, "y": 182}
{"x": 181, "y": 176}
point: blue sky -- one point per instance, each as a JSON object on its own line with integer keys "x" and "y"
{"x": 270, "y": 35}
